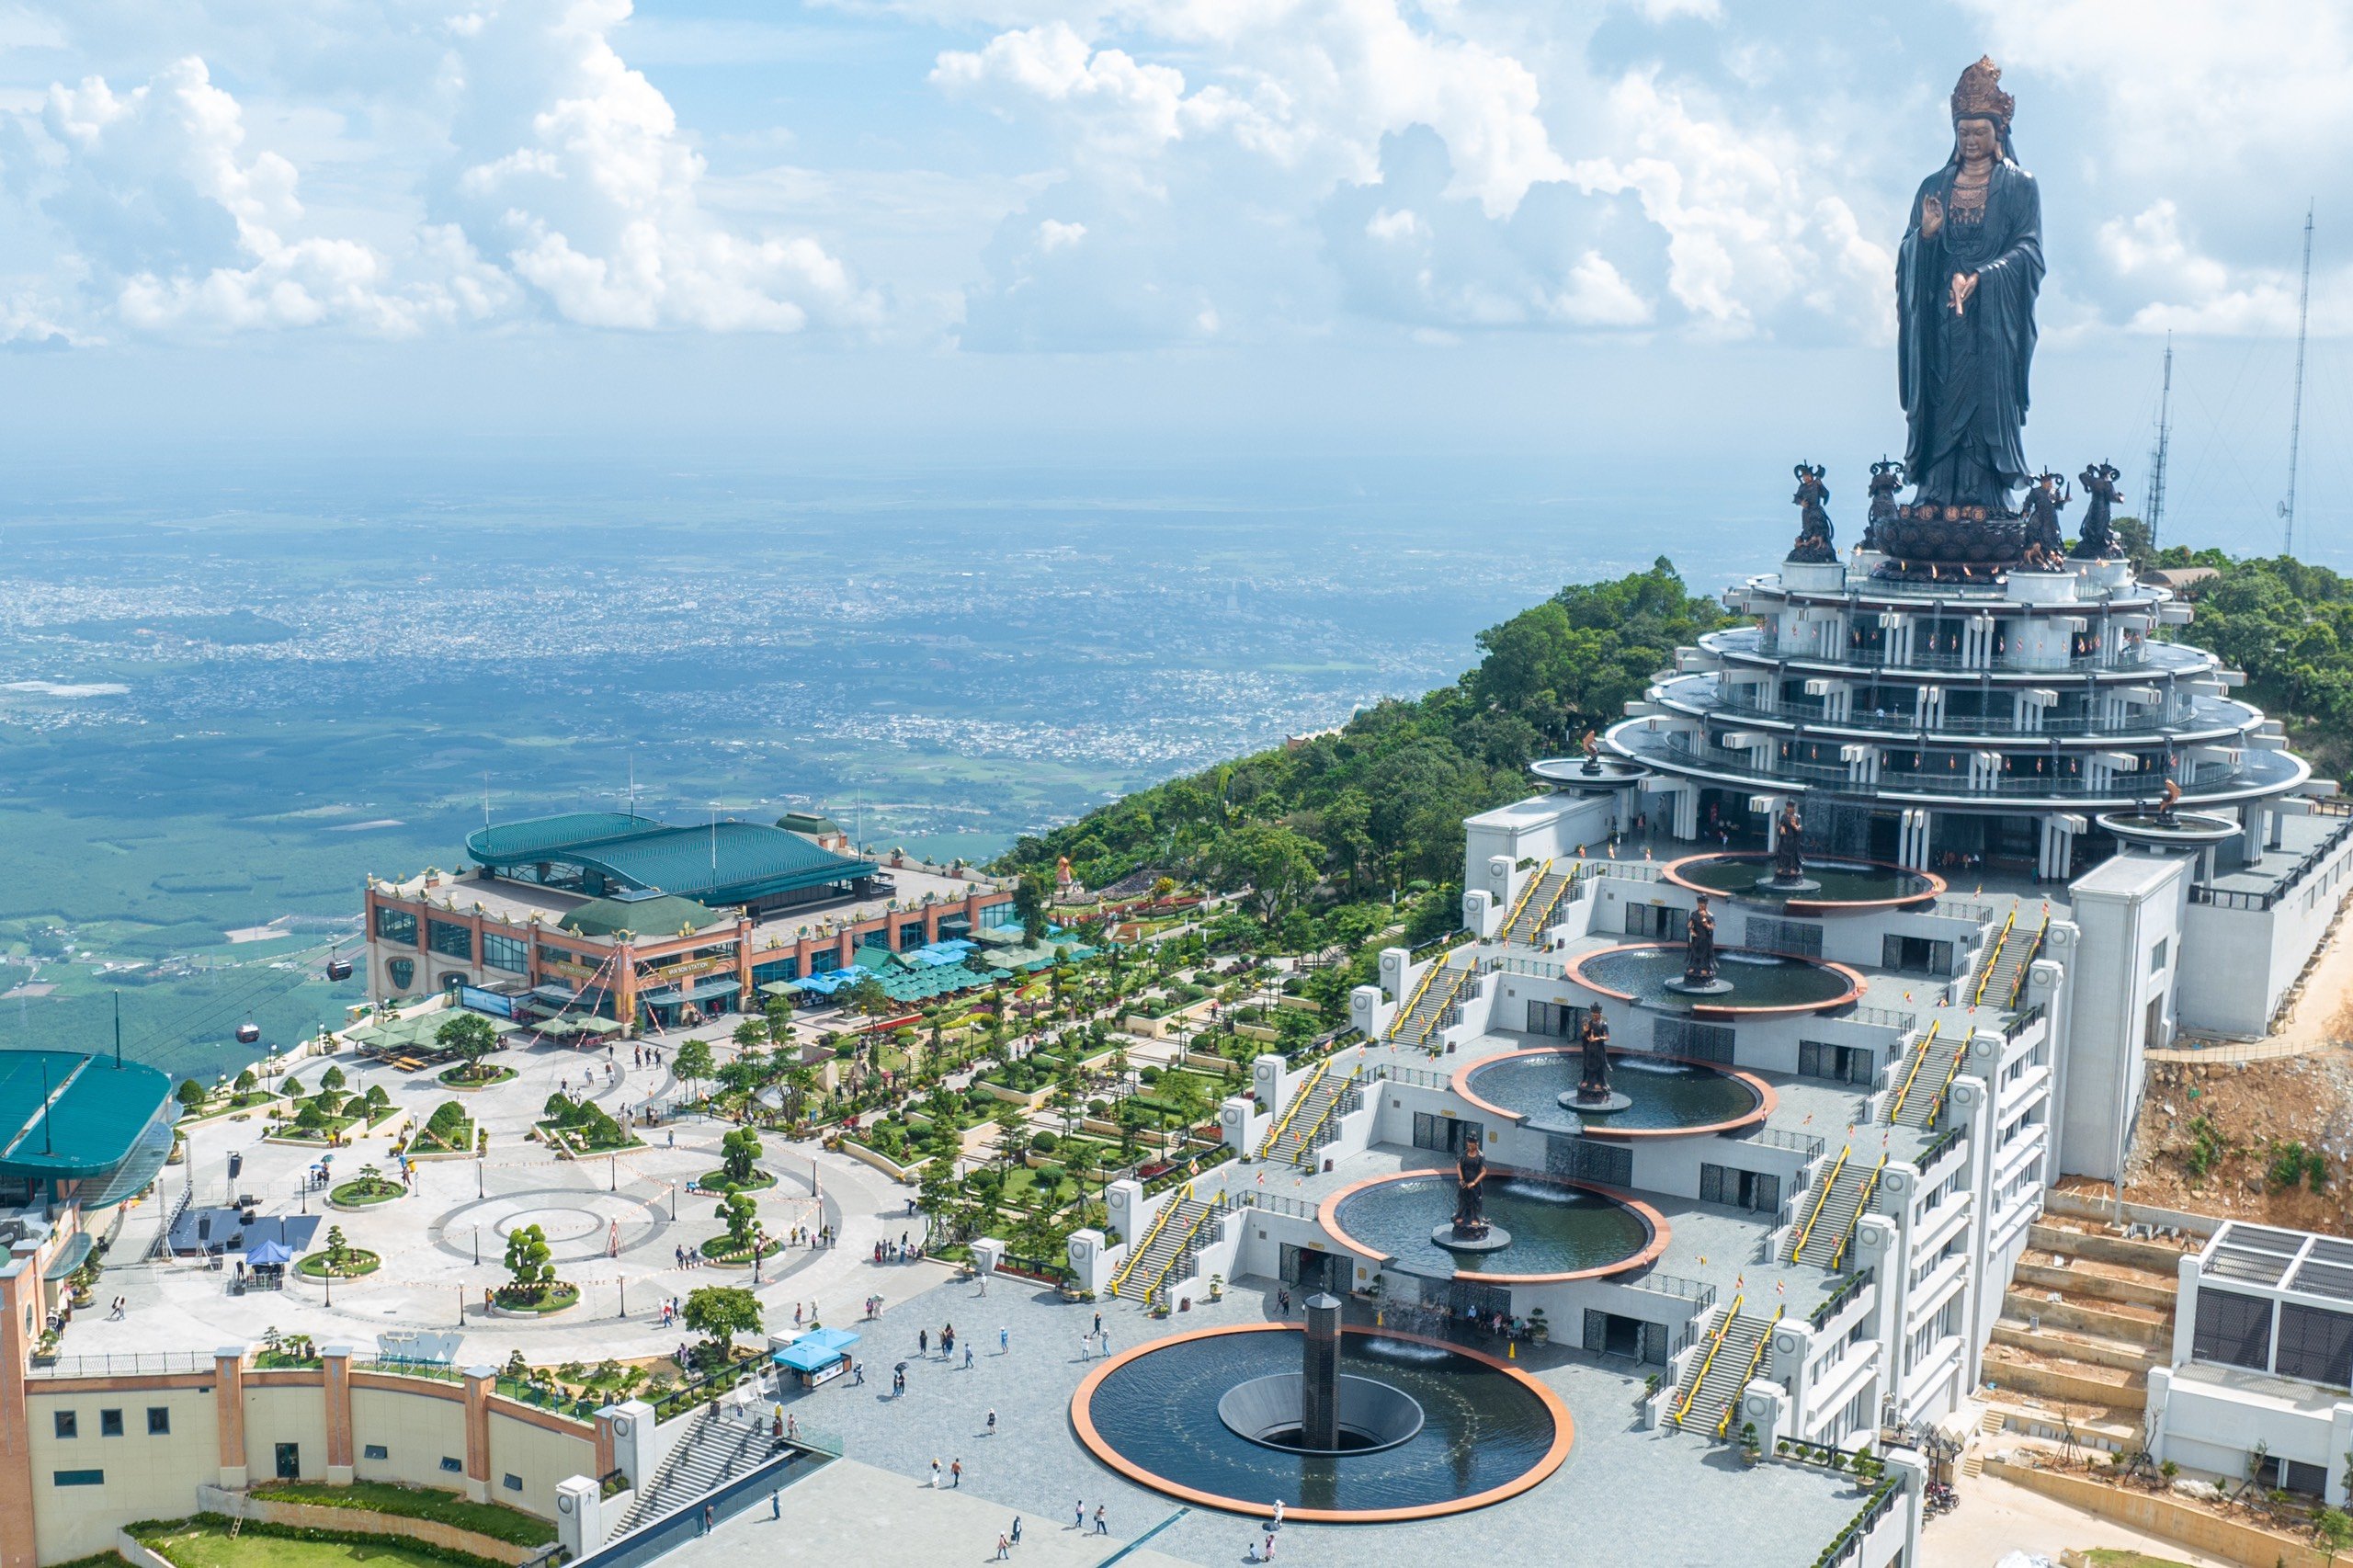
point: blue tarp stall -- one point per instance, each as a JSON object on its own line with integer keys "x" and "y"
{"x": 818, "y": 1355}
{"x": 269, "y": 1254}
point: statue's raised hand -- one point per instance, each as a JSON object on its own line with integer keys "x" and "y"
{"x": 1964, "y": 284}
{"x": 1932, "y": 217}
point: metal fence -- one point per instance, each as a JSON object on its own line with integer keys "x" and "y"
{"x": 124, "y": 1364}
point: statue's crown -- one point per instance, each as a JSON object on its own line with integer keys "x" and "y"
{"x": 1978, "y": 94}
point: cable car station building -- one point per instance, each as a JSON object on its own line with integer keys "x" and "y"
{"x": 626, "y": 918}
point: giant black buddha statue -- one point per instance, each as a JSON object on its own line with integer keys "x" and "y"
{"x": 1965, "y": 285}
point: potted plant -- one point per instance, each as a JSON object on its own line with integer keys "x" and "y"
{"x": 1539, "y": 1330}
{"x": 1750, "y": 1450}
{"x": 1217, "y": 1286}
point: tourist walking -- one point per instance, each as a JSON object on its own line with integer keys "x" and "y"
{"x": 1002, "y": 1553}
{"x": 992, "y": 1423}
{"x": 922, "y": 1342}
{"x": 956, "y": 1473}
{"x": 967, "y": 1358}
{"x": 1100, "y": 1528}
{"x": 1078, "y": 1515}
{"x": 776, "y": 1503}
{"x": 1017, "y": 1529}
{"x": 935, "y": 1475}
{"x": 1004, "y": 1341}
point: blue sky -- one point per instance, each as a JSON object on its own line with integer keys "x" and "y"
{"x": 1632, "y": 233}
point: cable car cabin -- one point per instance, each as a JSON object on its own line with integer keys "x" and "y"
{"x": 338, "y": 968}
{"x": 248, "y": 1032}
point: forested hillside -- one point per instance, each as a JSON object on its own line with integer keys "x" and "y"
{"x": 1378, "y": 805}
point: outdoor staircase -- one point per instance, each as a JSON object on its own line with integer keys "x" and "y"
{"x": 1170, "y": 1247}
{"x": 1537, "y": 906}
{"x": 1823, "y": 1239}
{"x": 711, "y": 1450}
{"x": 2001, "y": 973}
{"x": 1312, "y": 1121}
{"x": 1439, "y": 991}
{"x": 1704, "y": 1401}
{"x": 1922, "y": 1095}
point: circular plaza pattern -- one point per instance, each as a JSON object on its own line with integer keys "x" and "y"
{"x": 1488, "y": 1431}
{"x": 1840, "y": 886}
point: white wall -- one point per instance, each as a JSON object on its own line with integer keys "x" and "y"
{"x": 2128, "y": 912}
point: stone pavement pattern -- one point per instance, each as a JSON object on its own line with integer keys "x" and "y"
{"x": 1624, "y": 1496}
{"x": 851, "y": 1513}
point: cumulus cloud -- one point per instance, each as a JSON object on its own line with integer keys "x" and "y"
{"x": 571, "y": 171}
{"x": 184, "y": 226}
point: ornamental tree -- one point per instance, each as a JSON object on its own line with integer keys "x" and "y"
{"x": 528, "y": 1259}
{"x": 720, "y": 1312}
{"x": 469, "y": 1037}
{"x": 737, "y": 1151}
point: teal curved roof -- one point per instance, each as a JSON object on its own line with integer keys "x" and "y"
{"x": 660, "y": 916}
{"x": 66, "y": 1116}
{"x": 725, "y": 862}
{"x": 511, "y": 842}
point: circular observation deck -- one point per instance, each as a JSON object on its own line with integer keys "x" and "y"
{"x": 1667, "y": 1096}
{"x": 1592, "y": 774}
{"x": 1840, "y": 886}
{"x": 2032, "y": 778}
{"x": 2178, "y": 830}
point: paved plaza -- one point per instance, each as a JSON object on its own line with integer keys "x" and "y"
{"x": 1624, "y": 1495}
{"x": 615, "y": 1226}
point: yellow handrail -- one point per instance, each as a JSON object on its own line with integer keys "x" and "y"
{"x": 1525, "y": 894}
{"x": 1714, "y": 1344}
{"x": 1724, "y": 1425}
{"x": 1869, "y": 1187}
{"x": 1559, "y": 893}
{"x": 1298, "y": 1100}
{"x": 2017, "y": 980}
{"x": 1937, "y": 1108}
{"x": 1994, "y": 958}
{"x": 1819, "y": 1200}
{"x": 1167, "y": 1211}
{"x": 1166, "y": 1268}
{"x": 1307, "y": 1138}
{"x": 1406, "y": 1011}
{"x": 1896, "y": 1111}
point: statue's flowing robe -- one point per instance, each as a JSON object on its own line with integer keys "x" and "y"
{"x": 1963, "y": 378}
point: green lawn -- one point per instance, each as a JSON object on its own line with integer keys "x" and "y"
{"x": 2117, "y": 1557}
{"x": 492, "y": 1519}
{"x": 206, "y": 1545}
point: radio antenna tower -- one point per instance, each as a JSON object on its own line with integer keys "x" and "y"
{"x": 2296, "y": 419}
{"x": 2156, "y": 507}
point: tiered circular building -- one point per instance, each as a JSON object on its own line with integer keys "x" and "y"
{"x": 1969, "y": 719}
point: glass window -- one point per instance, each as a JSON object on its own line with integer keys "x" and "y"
{"x": 2233, "y": 1329}
{"x": 504, "y": 952}
{"x": 396, "y": 925}
{"x": 79, "y": 1477}
{"x": 379, "y": 1451}
{"x": 2315, "y": 1345}
{"x": 450, "y": 939}
{"x": 159, "y": 1421}
{"x": 110, "y": 1422}
{"x": 454, "y": 1466}
{"x": 511, "y": 1482}
{"x": 402, "y": 973}
{"x": 66, "y": 1424}
{"x": 1680, "y": 1036}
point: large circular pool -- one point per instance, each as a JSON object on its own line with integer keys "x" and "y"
{"x": 1556, "y": 1229}
{"x": 1487, "y": 1430}
{"x": 1667, "y": 1096}
{"x": 1760, "y": 982}
{"x": 1837, "y": 883}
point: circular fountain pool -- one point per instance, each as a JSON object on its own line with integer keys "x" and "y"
{"x": 1666, "y": 1095}
{"x": 1837, "y": 884}
{"x": 1486, "y": 1432}
{"x": 1555, "y": 1229}
{"x": 1643, "y": 972}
